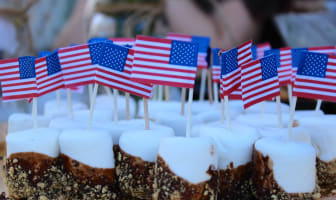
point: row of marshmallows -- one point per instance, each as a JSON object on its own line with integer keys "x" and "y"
{"x": 153, "y": 162}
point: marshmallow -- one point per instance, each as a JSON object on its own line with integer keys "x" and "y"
{"x": 52, "y": 109}
{"x": 99, "y": 115}
{"x": 299, "y": 134}
{"x": 234, "y": 146}
{"x": 41, "y": 140}
{"x": 106, "y": 102}
{"x": 189, "y": 158}
{"x": 144, "y": 143}
{"x": 293, "y": 164}
{"x": 269, "y": 107}
{"x": 91, "y": 147}
{"x": 23, "y": 121}
{"x": 159, "y": 106}
{"x": 268, "y": 120}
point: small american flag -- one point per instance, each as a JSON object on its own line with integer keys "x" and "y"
{"x": 18, "y": 79}
{"x": 123, "y": 41}
{"x": 284, "y": 56}
{"x": 259, "y": 80}
{"x": 43, "y": 53}
{"x": 49, "y": 75}
{"x": 165, "y": 62}
{"x": 316, "y": 77}
{"x": 231, "y": 62}
{"x": 78, "y": 63}
{"x": 216, "y": 68}
{"x": 203, "y": 45}
{"x": 114, "y": 70}
{"x": 259, "y": 49}
{"x": 297, "y": 52}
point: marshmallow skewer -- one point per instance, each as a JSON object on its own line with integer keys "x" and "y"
{"x": 227, "y": 112}
{"x": 202, "y": 89}
{"x": 290, "y": 94}
{"x": 69, "y": 103}
{"x": 34, "y": 112}
{"x": 127, "y": 97}
{"x": 160, "y": 91}
{"x": 222, "y": 111}
{"x": 318, "y": 106}
{"x": 94, "y": 94}
{"x": 291, "y": 117}
{"x": 215, "y": 91}
{"x": 90, "y": 88}
{"x": 167, "y": 93}
{"x": 262, "y": 109}
{"x": 115, "y": 105}
{"x": 145, "y": 101}
{"x": 190, "y": 98}
{"x": 58, "y": 98}
{"x": 183, "y": 96}
{"x": 277, "y": 98}
{"x": 210, "y": 95}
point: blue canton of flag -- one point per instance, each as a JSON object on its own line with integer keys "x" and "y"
{"x": 296, "y": 56}
{"x": 269, "y": 67}
{"x": 183, "y": 53}
{"x": 314, "y": 65}
{"x": 53, "y": 64}
{"x": 98, "y": 39}
{"x": 229, "y": 61}
{"x": 27, "y": 67}
{"x": 114, "y": 56}
{"x": 203, "y": 43}
{"x": 96, "y": 51}
{"x": 215, "y": 56}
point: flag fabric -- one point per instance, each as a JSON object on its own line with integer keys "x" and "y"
{"x": 49, "y": 75}
{"x": 231, "y": 62}
{"x": 78, "y": 63}
{"x": 203, "y": 46}
{"x": 114, "y": 70}
{"x": 43, "y": 53}
{"x": 259, "y": 80}
{"x": 316, "y": 77}
{"x": 284, "y": 56}
{"x": 259, "y": 49}
{"x": 296, "y": 55}
{"x": 165, "y": 62}
{"x": 123, "y": 41}
{"x": 216, "y": 68}
{"x": 18, "y": 78}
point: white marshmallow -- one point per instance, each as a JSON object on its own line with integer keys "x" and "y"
{"x": 144, "y": 143}
{"x": 99, "y": 115}
{"x": 67, "y": 123}
{"x": 189, "y": 158}
{"x": 52, "y": 109}
{"x": 269, "y": 107}
{"x": 213, "y": 116}
{"x": 159, "y": 106}
{"x": 299, "y": 134}
{"x": 233, "y": 146}
{"x": 116, "y": 129}
{"x": 41, "y": 140}
{"x": 91, "y": 147}
{"x": 268, "y": 120}
{"x": 106, "y": 102}
{"x": 293, "y": 163}
{"x": 23, "y": 121}
{"x": 306, "y": 113}
{"x": 323, "y": 134}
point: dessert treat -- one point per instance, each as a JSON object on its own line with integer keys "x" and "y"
{"x": 159, "y": 106}
{"x": 213, "y": 116}
{"x": 174, "y": 120}
{"x": 268, "y": 120}
{"x": 106, "y": 102}
{"x": 299, "y": 133}
{"x": 23, "y": 121}
{"x": 52, "y": 109}
{"x": 305, "y": 113}
{"x": 323, "y": 136}
{"x": 136, "y": 160}
{"x": 63, "y": 123}
{"x": 32, "y": 169}
{"x": 235, "y": 158}
{"x": 269, "y": 107}
{"x": 186, "y": 168}
{"x": 284, "y": 169}
{"x": 88, "y": 160}
{"x": 99, "y": 115}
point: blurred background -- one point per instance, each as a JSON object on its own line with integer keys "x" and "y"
{"x": 30, "y": 26}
